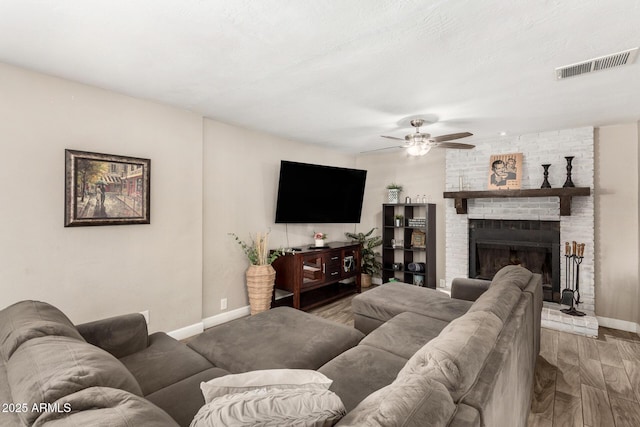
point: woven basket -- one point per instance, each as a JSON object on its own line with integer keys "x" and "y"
{"x": 260, "y": 279}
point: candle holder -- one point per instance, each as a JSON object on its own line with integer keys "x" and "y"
{"x": 545, "y": 183}
{"x": 569, "y": 182}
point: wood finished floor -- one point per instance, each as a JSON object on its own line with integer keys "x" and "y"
{"x": 579, "y": 381}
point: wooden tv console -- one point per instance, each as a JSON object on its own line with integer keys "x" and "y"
{"x": 315, "y": 276}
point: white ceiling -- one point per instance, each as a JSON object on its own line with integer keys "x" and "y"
{"x": 343, "y": 72}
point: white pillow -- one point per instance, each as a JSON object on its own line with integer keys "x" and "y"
{"x": 264, "y": 379}
{"x": 274, "y": 407}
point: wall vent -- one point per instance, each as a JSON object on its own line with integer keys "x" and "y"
{"x": 596, "y": 64}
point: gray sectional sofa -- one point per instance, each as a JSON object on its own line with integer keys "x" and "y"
{"x": 426, "y": 359}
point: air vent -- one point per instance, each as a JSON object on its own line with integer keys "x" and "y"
{"x": 597, "y": 64}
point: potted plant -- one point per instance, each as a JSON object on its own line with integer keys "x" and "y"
{"x": 319, "y": 238}
{"x": 260, "y": 275}
{"x": 369, "y": 265}
{"x": 399, "y": 219}
{"x": 394, "y": 192}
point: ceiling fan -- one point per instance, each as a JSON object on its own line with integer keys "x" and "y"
{"x": 419, "y": 144}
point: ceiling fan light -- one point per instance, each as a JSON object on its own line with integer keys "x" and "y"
{"x": 414, "y": 150}
{"x": 418, "y": 149}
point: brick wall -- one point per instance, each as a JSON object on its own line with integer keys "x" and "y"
{"x": 537, "y": 149}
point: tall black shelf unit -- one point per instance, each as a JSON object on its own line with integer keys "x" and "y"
{"x": 406, "y": 254}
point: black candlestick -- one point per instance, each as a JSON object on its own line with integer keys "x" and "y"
{"x": 545, "y": 183}
{"x": 569, "y": 182}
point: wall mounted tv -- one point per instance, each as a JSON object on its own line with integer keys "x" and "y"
{"x": 310, "y": 193}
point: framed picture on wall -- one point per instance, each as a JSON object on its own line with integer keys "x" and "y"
{"x": 106, "y": 189}
{"x": 505, "y": 171}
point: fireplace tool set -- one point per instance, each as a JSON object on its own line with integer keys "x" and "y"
{"x": 573, "y": 256}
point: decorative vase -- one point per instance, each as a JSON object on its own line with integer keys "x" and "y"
{"x": 365, "y": 280}
{"x": 545, "y": 183}
{"x": 260, "y": 280}
{"x": 398, "y": 222}
{"x": 319, "y": 243}
{"x": 569, "y": 182}
{"x": 394, "y": 195}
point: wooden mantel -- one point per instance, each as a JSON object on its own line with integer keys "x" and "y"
{"x": 565, "y": 195}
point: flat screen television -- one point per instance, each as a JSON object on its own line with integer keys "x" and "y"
{"x": 310, "y": 193}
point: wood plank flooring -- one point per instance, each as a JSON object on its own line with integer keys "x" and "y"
{"x": 589, "y": 382}
{"x": 579, "y": 381}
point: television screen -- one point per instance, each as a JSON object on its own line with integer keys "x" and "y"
{"x": 319, "y": 194}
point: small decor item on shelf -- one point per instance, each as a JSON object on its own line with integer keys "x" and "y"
{"x": 418, "y": 239}
{"x": 418, "y": 279}
{"x": 319, "y": 239}
{"x": 260, "y": 275}
{"x": 569, "y": 182}
{"x": 416, "y": 266}
{"x": 417, "y": 222}
{"x": 397, "y": 266}
{"x": 394, "y": 192}
{"x": 545, "y": 183}
{"x": 407, "y": 200}
{"x": 399, "y": 220}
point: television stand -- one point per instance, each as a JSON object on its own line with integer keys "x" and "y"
{"x": 319, "y": 275}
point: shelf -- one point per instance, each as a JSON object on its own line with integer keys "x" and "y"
{"x": 564, "y": 194}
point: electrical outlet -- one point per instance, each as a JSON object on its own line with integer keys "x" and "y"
{"x": 442, "y": 283}
{"x": 146, "y": 315}
{"x": 223, "y": 304}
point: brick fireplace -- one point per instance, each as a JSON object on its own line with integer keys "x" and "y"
{"x": 471, "y": 169}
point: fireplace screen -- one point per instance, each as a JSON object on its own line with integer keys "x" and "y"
{"x": 535, "y": 245}
{"x": 492, "y": 257}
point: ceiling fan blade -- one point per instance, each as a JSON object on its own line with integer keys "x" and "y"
{"x": 392, "y": 137}
{"x": 380, "y": 149}
{"x": 450, "y": 136}
{"x": 457, "y": 145}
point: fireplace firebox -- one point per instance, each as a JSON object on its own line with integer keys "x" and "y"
{"x": 533, "y": 244}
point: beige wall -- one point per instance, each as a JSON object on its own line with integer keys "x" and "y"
{"x": 617, "y": 252}
{"x": 209, "y": 179}
{"x": 417, "y": 175}
{"x": 94, "y": 272}
{"x": 241, "y": 169}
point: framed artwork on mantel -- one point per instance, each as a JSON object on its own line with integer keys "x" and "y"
{"x": 505, "y": 171}
{"x": 106, "y": 189}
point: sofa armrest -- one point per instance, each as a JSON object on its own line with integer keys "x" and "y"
{"x": 468, "y": 289}
{"x": 120, "y": 335}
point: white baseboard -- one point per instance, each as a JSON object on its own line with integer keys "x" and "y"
{"x": 622, "y": 325}
{"x": 227, "y": 316}
{"x": 187, "y": 331}
{"x": 198, "y": 328}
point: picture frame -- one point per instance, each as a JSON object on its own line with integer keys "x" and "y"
{"x": 418, "y": 239}
{"x": 505, "y": 171}
{"x": 106, "y": 189}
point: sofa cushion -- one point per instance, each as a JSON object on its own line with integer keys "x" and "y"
{"x": 405, "y": 334}
{"x": 391, "y": 299}
{"x": 458, "y": 354}
{"x": 514, "y": 274}
{"x": 191, "y": 400}
{"x": 360, "y": 371}
{"x": 275, "y": 407}
{"x": 45, "y": 369}
{"x": 25, "y": 320}
{"x": 104, "y": 407}
{"x": 119, "y": 335}
{"x": 500, "y": 300}
{"x": 266, "y": 379}
{"x": 149, "y": 366}
{"x": 282, "y": 337}
{"x": 411, "y": 401}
